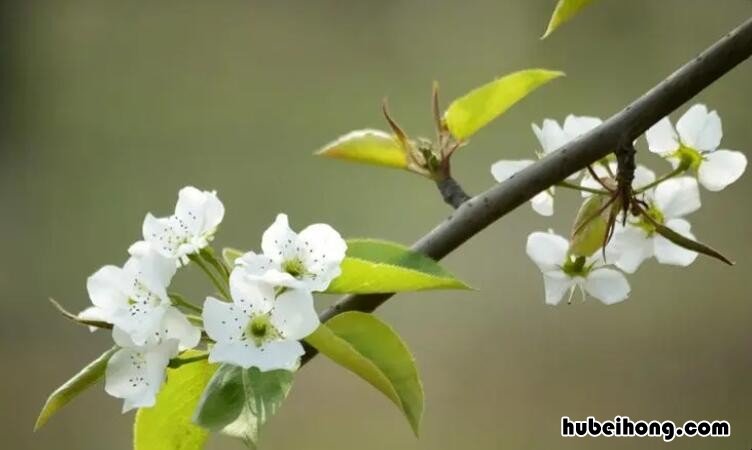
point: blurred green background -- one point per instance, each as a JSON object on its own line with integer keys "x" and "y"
{"x": 109, "y": 107}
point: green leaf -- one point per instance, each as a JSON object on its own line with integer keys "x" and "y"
{"x": 230, "y": 254}
{"x": 84, "y": 379}
{"x": 168, "y": 425}
{"x": 369, "y": 147}
{"x": 565, "y": 10}
{"x": 591, "y": 225}
{"x": 372, "y": 266}
{"x": 372, "y": 350}
{"x": 470, "y": 113}
{"x": 238, "y": 402}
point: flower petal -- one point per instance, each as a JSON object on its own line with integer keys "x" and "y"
{"x": 543, "y": 203}
{"x": 279, "y": 242}
{"x": 576, "y": 126}
{"x": 322, "y": 250}
{"x": 556, "y": 283}
{"x": 107, "y": 288}
{"x": 223, "y": 321}
{"x": 551, "y": 136}
{"x": 137, "y": 374}
{"x": 249, "y": 293}
{"x": 721, "y": 168}
{"x": 270, "y": 356}
{"x": 678, "y": 197}
{"x": 176, "y": 326}
{"x": 666, "y": 252}
{"x": 607, "y": 285}
{"x": 294, "y": 315}
{"x": 547, "y": 250}
{"x": 662, "y": 137}
{"x": 628, "y": 248}
{"x": 699, "y": 129}
{"x": 504, "y": 169}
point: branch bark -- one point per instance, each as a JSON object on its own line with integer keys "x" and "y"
{"x": 622, "y": 128}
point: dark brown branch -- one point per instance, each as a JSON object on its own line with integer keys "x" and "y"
{"x": 452, "y": 192}
{"x": 620, "y": 129}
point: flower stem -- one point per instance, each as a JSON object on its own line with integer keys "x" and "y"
{"x": 566, "y": 184}
{"x": 220, "y": 284}
{"x": 679, "y": 170}
{"x": 179, "y": 300}
{"x": 208, "y": 254}
{"x": 177, "y": 362}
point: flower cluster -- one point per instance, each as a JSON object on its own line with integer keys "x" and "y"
{"x": 271, "y": 307}
{"x": 272, "y": 302}
{"x": 625, "y": 237}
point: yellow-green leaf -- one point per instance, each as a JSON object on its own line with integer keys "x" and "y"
{"x": 372, "y": 350}
{"x": 470, "y": 113}
{"x": 84, "y": 379}
{"x": 565, "y": 10}
{"x": 372, "y": 266}
{"x": 369, "y": 147}
{"x": 168, "y": 425}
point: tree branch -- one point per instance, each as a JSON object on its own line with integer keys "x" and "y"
{"x": 477, "y": 213}
{"x": 452, "y": 192}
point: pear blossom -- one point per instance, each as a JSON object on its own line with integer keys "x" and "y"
{"x": 261, "y": 327}
{"x": 135, "y": 373}
{"x": 693, "y": 145}
{"x": 551, "y": 137}
{"x": 564, "y": 273}
{"x": 190, "y": 228}
{"x": 308, "y": 260}
{"x": 637, "y": 241}
{"x": 133, "y": 297}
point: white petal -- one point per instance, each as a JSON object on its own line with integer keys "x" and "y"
{"x": 223, "y": 321}
{"x": 199, "y": 211}
{"x": 547, "y": 250}
{"x": 678, "y": 197}
{"x": 160, "y": 234}
{"x": 271, "y": 356}
{"x": 576, "y": 126}
{"x": 107, "y": 288}
{"x": 699, "y": 129}
{"x": 504, "y": 169}
{"x": 249, "y": 293}
{"x": 321, "y": 251}
{"x": 176, "y": 326}
{"x": 642, "y": 177}
{"x": 543, "y": 203}
{"x": 551, "y": 136}
{"x": 721, "y": 168}
{"x": 666, "y": 252}
{"x": 142, "y": 324}
{"x": 557, "y": 284}
{"x": 279, "y": 241}
{"x": 628, "y": 248}
{"x": 607, "y": 285}
{"x": 136, "y": 374}
{"x": 154, "y": 269}
{"x": 662, "y": 137}
{"x": 294, "y": 315}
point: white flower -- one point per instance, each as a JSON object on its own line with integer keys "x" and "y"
{"x": 136, "y": 373}
{"x": 564, "y": 273}
{"x": 308, "y": 261}
{"x": 134, "y": 297}
{"x": 694, "y": 145}
{"x": 638, "y": 241}
{"x": 197, "y": 215}
{"x": 551, "y": 137}
{"x": 259, "y": 329}
{"x": 642, "y": 177}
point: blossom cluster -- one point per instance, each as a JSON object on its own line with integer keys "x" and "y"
{"x": 270, "y": 309}
{"x": 692, "y": 149}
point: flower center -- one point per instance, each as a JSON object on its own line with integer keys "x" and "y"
{"x": 655, "y": 214}
{"x": 575, "y": 266}
{"x": 689, "y": 158}
{"x": 294, "y": 267}
{"x": 260, "y": 329}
